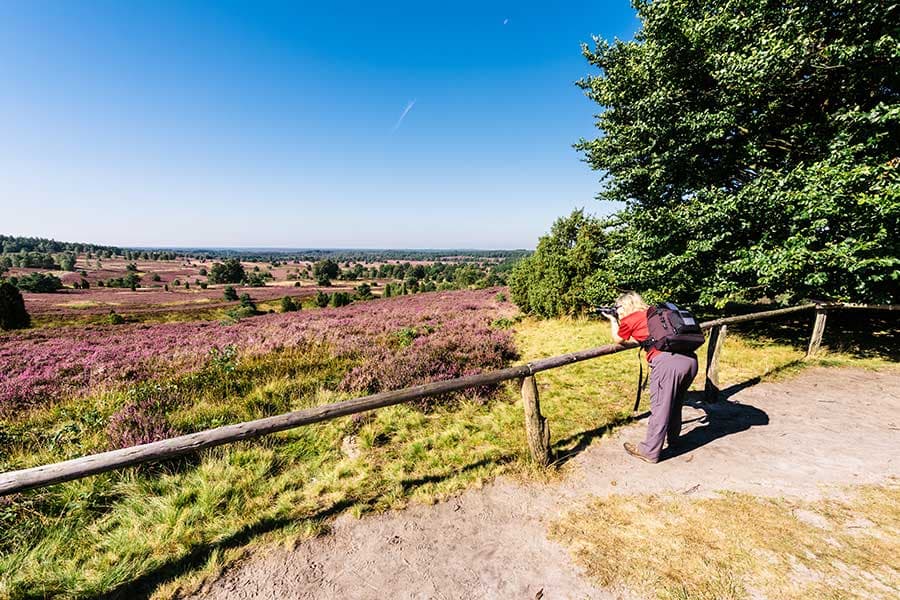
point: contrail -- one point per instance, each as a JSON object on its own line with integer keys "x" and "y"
{"x": 403, "y": 116}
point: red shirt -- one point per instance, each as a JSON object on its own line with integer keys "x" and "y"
{"x": 635, "y": 326}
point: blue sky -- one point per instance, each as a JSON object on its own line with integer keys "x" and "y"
{"x": 279, "y": 124}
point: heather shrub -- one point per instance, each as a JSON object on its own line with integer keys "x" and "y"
{"x": 229, "y": 293}
{"x": 439, "y": 355}
{"x": 39, "y": 367}
{"x": 115, "y": 318}
{"x": 142, "y": 419}
{"x": 322, "y": 299}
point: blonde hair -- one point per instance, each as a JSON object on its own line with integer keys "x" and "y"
{"x": 630, "y": 302}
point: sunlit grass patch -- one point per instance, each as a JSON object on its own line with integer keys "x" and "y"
{"x": 82, "y": 304}
{"x": 734, "y": 546}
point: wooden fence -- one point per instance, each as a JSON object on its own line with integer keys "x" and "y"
{"x": 536, "y": 427}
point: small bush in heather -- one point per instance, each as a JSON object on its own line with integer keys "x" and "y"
{"x": 364, "y": 291}
{"x": 322, "y": 299}
{"x": 288, "y": 305}
{"x": 115, "y": 318}
{"x": 12, "y": 308}
{"x": 500, "y": 297}
{"x": 142, "y": 419}
{"x": 247, "y": 301}
{"x": 296, "y": 284}
{"x": 230, "y": 294}
{"x": 339, "y": 299}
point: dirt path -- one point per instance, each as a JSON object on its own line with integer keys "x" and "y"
{"x": 822, "y": 429}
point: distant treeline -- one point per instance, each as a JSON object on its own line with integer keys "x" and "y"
{"x": 343, "y": 255}
{"x": 10, "y": 244}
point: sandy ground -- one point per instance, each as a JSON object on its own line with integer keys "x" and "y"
{"x": 804, "y": 437}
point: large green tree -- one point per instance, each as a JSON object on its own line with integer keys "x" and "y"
{"x": 755, "y": 145}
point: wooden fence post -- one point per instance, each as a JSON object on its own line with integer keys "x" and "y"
{"x": 536, "y": 428}
{"x": 818, "y": 329}
{"x": 713, "y": 349}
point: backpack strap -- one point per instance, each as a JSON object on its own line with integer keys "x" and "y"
{"x": 641, "y": 382}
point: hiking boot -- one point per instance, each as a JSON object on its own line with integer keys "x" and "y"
{"x": 630, "y": 449}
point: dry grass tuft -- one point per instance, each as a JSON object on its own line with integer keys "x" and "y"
{"x": 735, "y": 546}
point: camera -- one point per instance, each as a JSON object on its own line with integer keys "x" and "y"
{"x": 607, "y": 310}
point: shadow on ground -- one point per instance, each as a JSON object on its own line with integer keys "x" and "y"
{"x": 722, "y": 418}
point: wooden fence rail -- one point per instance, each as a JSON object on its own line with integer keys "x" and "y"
{"x": 536, "y": 427}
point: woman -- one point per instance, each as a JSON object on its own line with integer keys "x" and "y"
{"x": 670, "y": 377}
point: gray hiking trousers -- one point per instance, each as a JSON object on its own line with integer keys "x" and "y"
{"x": 670, "y": 377}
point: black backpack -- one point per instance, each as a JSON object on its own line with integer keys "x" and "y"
{"x": 672, "y": 329}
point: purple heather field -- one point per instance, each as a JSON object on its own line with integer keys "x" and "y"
{"x": 396, "y": 342}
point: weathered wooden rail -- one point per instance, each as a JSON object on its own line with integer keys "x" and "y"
{"x": 536, "y": 427}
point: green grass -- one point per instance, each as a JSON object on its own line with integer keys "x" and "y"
{"x": 163, "y": 528}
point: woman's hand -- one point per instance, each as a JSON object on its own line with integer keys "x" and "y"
{"x": 614, "y": 328}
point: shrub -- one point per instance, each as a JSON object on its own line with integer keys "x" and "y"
{"x": 42, "y": 283}
{"x": 156, "y": 277}
{"x": 230, "y": 294}
{"x": 12, "y": 308}
{"x": 247, "y": 301}
{"x": 288, "y": 305}
{"x": 561, "y": 277}
{"x": 326, "y": 269}
{"x": 339, "y": 299}
{"x": 255, "y": 280}
{"x": 322, "y": 299}
{"x": 142, "y": 419}
{"x": 364, "y": 292}
{"x": 231, "y": 271}
{"x": 115, "y": 318}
